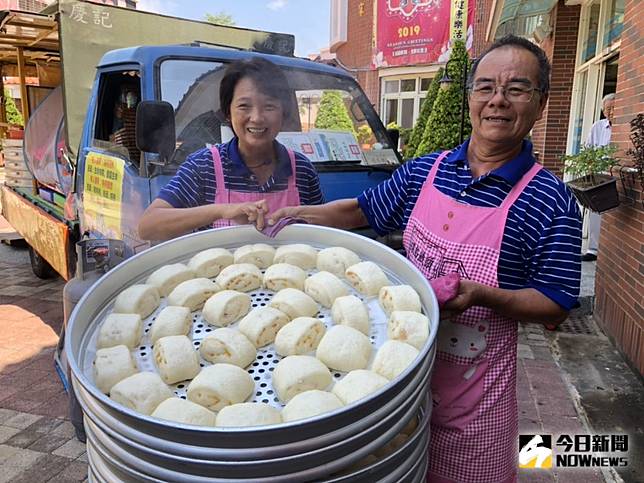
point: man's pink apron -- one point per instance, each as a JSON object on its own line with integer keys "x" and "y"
{"x": 274, "y": 200}
{"x": 474, "y": 424}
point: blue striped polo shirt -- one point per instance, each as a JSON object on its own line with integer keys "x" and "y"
{"x": 194, "y": 183}
{"x": 542, "y": 239}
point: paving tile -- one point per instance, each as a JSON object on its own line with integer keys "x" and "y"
{"x": 529, "y": 426}
{"x": 24, "y": 439}
{"x": 17, "y": 403}
{"x": 551, "y": 408}
{"x": 563, "y": 425}
{"x": 83, "y": 458}
{"x": 44, "y": 469}
{"x": 71, "y": 449}
{"x": 6, "y": 432}
{"x": 16, "y": 460}
{"x": 6, "y": 414}
{"x": 47, "y": 443}
{"x": 21, "y": 420}
{"x": 65, "y": 430}
{"x": 535, "y": 476}
{"x": 57, "y": 407}
{"x": 74, "y": 471}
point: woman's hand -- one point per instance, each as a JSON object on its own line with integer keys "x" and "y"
{"x": 252, "y": 212}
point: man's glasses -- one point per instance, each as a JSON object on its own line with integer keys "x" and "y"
{"x": 513, "y": 92}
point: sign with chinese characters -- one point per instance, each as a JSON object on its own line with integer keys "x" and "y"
{"x": 323, "y": 145}
{"x": 573, "y": 451}
{"x": 84, "y": 13}
{"x": 411, "y": 32}
{"x": 102, "y": 194}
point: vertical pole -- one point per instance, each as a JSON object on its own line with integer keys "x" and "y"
{"x": 3, "y": 114}
{"x": 23, "y": 86}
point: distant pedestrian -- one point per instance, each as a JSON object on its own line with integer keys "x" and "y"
{"x": 599, "y": 136}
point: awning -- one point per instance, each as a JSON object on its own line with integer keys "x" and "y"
{"x": 522, "y": 17}
{"x": 36, "y": 34}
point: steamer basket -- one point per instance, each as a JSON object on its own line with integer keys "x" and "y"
{"x": 126, "y": 443}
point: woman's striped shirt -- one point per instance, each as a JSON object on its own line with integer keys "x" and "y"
{"x": 541, "y": 243}
{"x": 194, "y": 183}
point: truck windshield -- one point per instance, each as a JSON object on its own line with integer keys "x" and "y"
{"x": 332, "y": 118}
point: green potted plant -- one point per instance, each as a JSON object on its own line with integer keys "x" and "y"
{"x": 593, "y": 188}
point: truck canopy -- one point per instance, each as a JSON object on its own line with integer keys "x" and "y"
{"x": 83, "y": 31}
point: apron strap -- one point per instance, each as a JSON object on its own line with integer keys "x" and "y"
{"x": 292, "y": 181}
{"x": 434, "y": 170}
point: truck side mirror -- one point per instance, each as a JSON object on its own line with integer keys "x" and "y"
{"x": 155, "y": 132}
{"x": 394, "y": 136}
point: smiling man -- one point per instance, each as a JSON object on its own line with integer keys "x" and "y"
{"x": 512, "y": 231}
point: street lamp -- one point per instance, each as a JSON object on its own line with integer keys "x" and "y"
{"x": 446, "y": 81}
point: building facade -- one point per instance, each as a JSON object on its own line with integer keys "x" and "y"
{"x": 594, "y": 47}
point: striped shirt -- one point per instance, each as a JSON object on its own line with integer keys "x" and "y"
{"x": 195, "y": 184}
{"x": 542, "y": 238}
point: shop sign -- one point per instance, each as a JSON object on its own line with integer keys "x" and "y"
{"x": 409, "y": 32}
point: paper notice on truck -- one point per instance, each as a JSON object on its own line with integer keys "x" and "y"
{"x": 323, "y": 145}
{"x": 102, "y": 194}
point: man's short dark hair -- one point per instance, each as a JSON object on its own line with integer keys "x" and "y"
{"x": 520, "y": 42}
{"x": 268, "y": 77}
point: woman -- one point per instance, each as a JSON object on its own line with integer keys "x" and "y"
{"x": 512, "y": 231}
{"x": 239, "y": 181}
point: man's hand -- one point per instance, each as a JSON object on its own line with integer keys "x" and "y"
{"x": 252, "y": 212}
{"x": 469, "y": 294}
{"x": 288, "y": 211}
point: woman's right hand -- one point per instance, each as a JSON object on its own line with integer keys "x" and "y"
{"x": 251, "y": 212}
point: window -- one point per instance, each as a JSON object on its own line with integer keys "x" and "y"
{"x": 402, "y": 99}
{"x": 318, "y": 102}
{"x": 600, "y": 27}
{"x": 115, "y": 125}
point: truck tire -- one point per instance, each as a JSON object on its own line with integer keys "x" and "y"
{"x": 40, "y": 266}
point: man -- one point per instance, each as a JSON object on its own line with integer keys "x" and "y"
{"x": 511, "y": 229}
{"x": 599, "y": 136}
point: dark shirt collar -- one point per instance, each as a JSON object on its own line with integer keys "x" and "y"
{"x": 230, "y": 151}
{"x": 510, "y": 172}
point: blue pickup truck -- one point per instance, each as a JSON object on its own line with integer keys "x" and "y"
{"x": 105, "y": 141}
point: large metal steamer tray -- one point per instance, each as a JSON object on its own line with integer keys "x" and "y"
{"x": 302, "y": 450}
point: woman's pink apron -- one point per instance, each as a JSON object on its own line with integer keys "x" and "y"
{"x": 474, "y": 424}
{"x": 274, "y": 200}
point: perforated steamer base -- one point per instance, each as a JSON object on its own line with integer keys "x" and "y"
{"x": 261, "y": 369}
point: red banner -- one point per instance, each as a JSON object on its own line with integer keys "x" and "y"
{"x": 409, "y": 32}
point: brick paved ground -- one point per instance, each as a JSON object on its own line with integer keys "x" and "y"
{"x": 37, "y": 440}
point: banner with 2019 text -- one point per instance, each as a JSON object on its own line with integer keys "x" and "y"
{"x": 409, "y": 32}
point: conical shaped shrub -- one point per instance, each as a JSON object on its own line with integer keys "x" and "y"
{"x": 443, "y": 124}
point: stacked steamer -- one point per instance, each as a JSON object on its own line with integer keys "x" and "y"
{"x": 248, "y": 361}
{"x": 16, "y": 173}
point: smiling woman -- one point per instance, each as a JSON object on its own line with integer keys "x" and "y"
{"x": 242, "y": 180}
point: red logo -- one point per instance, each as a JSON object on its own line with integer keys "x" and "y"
{"x": 307, "y": 148}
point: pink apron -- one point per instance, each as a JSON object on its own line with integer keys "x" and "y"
{"x": 474, "y": 423}
{"x": 275, "y": 200}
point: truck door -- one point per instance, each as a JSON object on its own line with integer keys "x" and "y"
{"x": 112, "y": 181}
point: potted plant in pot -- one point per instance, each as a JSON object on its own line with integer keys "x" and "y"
{"x": 593, "y": 188}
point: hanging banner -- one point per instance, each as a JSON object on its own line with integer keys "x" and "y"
{"x": 409, "y": 32}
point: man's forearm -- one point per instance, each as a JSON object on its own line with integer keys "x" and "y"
{"x": 526, "y": 305}
{"x": 345, "y": 214}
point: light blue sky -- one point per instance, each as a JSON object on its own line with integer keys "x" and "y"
{"x": 308, "y": 20}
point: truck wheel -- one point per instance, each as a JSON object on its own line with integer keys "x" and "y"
{"x": 39, "y": 265}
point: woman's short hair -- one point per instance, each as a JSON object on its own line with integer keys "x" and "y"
{"x": 520, "y": 42}
{"x": 268, "y": 77}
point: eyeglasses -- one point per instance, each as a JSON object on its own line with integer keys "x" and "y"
{"x": 513, "y": 92}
